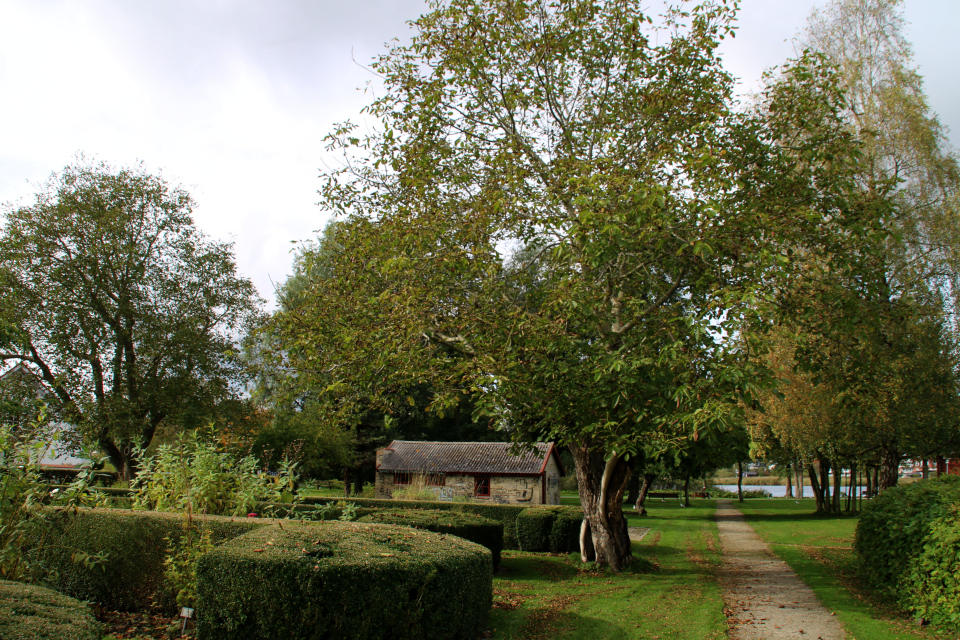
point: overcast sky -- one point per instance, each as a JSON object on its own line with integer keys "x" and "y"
{"x": 232, "y": 98}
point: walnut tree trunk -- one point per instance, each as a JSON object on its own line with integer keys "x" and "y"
{"x": 601, "y": 484}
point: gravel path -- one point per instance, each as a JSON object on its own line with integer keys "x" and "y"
{"x": 637, "y": 533}
{"x": 764, "y": 598}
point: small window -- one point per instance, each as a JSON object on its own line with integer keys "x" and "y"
{"x": 436, "y": 479}
{"x": 481, "y": 486}
{"x": 401, "y": 477}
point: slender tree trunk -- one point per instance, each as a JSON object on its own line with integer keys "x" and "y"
{"x": 859, "y": 492}
{"x": 740, "y": 481}
{"x": 825, "y": 485}
{"x": 853, "y": 488}
{"x": 869, "y": 483}
{"x": 926, "y": 469}
{"x": 789, "y": 482}
{"x": 815, "y": 487}
{"x": 686, "y": 490}
{"x": 358, "y": 481}
{"x": 601, "y": 485}
{"x": 876, "y": 481}
{"x": 648, "y": 480}
{"x": 837, "y": 486}
{"x": 798, "y": 467}
{"x": 889, "y": 467}
{"x": 346, "y": 482}
{"x": 633, "y": 488}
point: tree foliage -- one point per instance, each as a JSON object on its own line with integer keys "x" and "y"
{"x": 876, "y": 371}
{"x": 128, "y": 313}
{"x": 565, "y": 215}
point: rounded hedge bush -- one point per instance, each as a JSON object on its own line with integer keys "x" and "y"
{"x": 893, "y": 527}
{"x": 483, "y": 531}
{"x": 29, "y": 612}
{"x": 344, "y": 580}
{"x": 133, "y": 543}
{"x": 908, "y": 546}
{"x": 554, "y": 529}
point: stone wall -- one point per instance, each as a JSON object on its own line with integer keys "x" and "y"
{"x": 503, "y": 489}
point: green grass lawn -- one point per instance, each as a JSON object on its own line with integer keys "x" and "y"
{"x": 820, "y": 550}
{"x": 675, "y": 597}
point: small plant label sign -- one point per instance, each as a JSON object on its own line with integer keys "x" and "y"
{"x": 186, "y": 612}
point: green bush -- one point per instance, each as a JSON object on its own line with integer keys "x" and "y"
{"x": 533, "y": 529}
{"x": 196, "y": 477}
{"x": 506, "y": 514}
{"x": 894, "y": 526}
{"x": 135, "y": 545}
{"x": 483, "y": 531}
{"x": 554, "y": 529}
{"x": 565, "y": 532}
{"x": 931, "y": 584}
{"x": 344, "y": 580}
{"x": 29, "y": 612}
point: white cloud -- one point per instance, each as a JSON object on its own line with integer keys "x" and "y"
{"x": 233, "y": 99}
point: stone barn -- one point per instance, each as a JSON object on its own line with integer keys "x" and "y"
{"x": 479, "y": 470}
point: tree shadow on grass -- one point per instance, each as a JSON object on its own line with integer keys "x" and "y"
{"x": 794, "y": 516}
{"x": 548, "y": 623}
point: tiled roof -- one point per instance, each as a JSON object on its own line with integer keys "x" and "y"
{"x": 464, "y": 457}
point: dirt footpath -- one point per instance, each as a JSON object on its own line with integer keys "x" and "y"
{"x": 764, "y": 598}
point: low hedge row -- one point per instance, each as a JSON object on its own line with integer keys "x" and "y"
{"x": 30, "y": 612}
{"x": 131, "y": 575}
{"x": 908, "y": 546}
{"x": 506, "y": 514}
{"x": 344, "y": 580}
{"x": 483, "y": 531}
{"x": 565, "y": 535}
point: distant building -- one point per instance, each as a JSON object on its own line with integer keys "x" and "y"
{"x": 21, "y": 394}
{"x": 479, "y": 470}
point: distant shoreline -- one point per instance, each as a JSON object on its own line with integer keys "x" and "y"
{"x": 765, "y": 481}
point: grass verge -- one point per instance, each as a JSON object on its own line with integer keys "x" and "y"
{"x": 820, "y": 550}
{"x": 670, "y": 593}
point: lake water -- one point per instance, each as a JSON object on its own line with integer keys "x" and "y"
{"x": 780, "y": 490}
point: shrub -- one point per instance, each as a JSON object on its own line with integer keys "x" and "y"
{"x": 195, "y": 476}
{"x": 894, "y": 526}
{"x": 533, "y": 529}
{"x": 29, "y": 612}
{"x": 22, "y": 488}
{"x": 344, "y": 580}
{"x": 565, "y": 532}
{"x": 554, "y": 529}
{"x": 931, "y": 583}
{"x": 134, "y": 545}
{"x": 506, "y": 514}
{"x": 908, "y": 544}
{"x": 483, "y": 531}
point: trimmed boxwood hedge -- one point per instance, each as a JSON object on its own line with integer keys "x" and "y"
{"x": 30, "y": 612}
{"x": 504, "y": 513}
{"x": 469, "y": 526}
{"x": 131, "y": 577}
{"x": 344, "y": 580}
{"x": 555, "y": 529}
